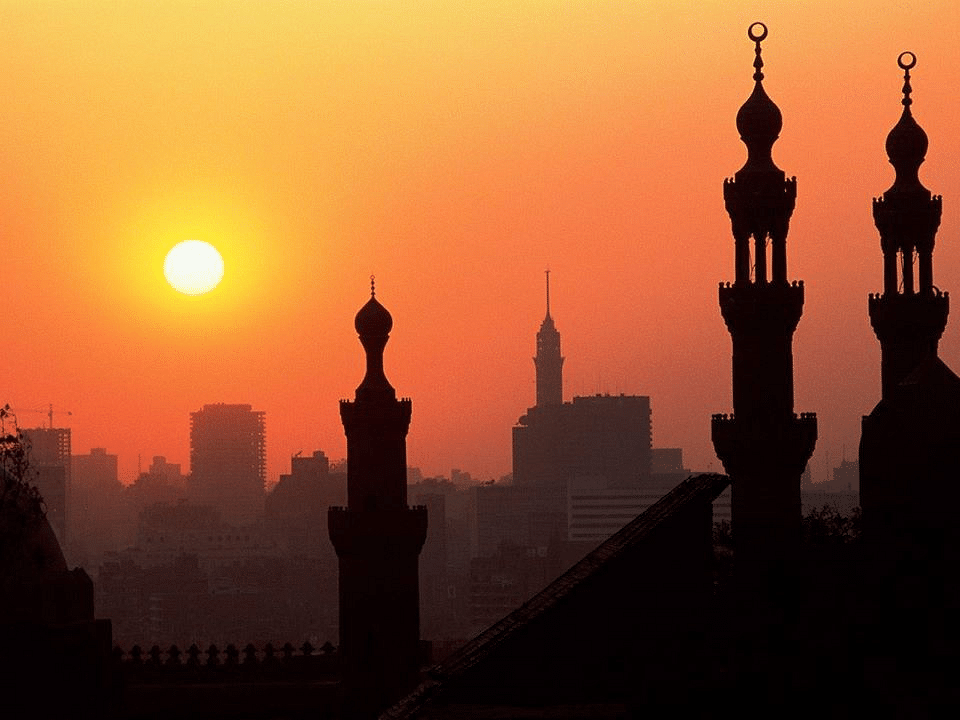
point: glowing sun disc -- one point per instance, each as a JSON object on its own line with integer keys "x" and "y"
{"x": 193, "y": 267}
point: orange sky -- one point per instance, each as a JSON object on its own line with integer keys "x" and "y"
{"x": 455, "y": 152}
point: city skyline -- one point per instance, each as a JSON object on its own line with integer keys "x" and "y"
{"x": 455, "y": 154}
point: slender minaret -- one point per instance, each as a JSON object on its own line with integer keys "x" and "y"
{"x": 909, "y": 316}
{"x": 910, "y": 444}
{"x": 764, "y": 446}
{"x": 377, "y": 537}
{"x": 549, "y": 362}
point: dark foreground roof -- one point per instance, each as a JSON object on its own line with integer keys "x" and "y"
{"x": 695, "y": 490}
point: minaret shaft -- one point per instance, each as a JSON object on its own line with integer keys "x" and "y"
{"x": 764, "y": 446}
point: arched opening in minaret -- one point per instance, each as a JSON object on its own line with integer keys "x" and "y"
{"x": 908, "y": 257}
{"x": 915, "y": 271}
{"x": 762, "y": 259}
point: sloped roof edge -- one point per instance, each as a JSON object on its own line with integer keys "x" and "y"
{"x": 695, "y": 488}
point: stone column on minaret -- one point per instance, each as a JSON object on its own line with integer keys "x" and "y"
{"x": 377, "y": 537}
{"x": 764, "y": 446}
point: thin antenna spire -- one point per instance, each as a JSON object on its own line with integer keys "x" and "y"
{"x": 547, "y": 272}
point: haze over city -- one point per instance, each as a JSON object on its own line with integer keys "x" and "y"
{"x": 455, "y": 153}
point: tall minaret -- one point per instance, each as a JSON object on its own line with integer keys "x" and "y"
{"x": 910, "y": 445}
{"x": 764, "y": 446}
{"x": 377, "y": 537}
{"x": 549, "y": 362}
{"x": 910, "y": 315}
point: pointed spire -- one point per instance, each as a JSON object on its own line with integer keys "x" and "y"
{"x": 549, "y": 361}
{"x": 759, "y": 120}
{"x": 547, "y": 272}
{"x": 547, "y": 323}
{"x": 907, "y": 142}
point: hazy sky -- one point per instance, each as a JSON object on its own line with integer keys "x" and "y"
{"x": 455, "y": 150}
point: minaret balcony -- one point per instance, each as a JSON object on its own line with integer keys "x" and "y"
{"x": 376, "y": 416}
{"x": 764, "y": 445}
{"x": 753, "y": 308}
{"x": 898, "y": 318}
{"x": 382, "y": 531}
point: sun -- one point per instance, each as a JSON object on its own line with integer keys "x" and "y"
{"x": 193, "y": 267}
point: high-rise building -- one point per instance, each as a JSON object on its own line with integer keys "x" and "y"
{"x": 604, "y": 437}
{"x": 597, "y": 510}
{"x": 49, "y": 468}
{"x": 296, "y": 507}
{"x": 601, "y": 441}
{"x": 228, "y": 460}
{"x": 764, "y": 446}
{"x": 377, "y": 536}
{"x": 96, "y": 516}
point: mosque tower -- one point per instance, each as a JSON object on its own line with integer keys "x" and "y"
{"x": 549, "y": 362}
{"x": 910, "y": 444}
{"x": 764, "y": 446}
{"x": 909, "y": 316}
{"x": 377, "y": 536}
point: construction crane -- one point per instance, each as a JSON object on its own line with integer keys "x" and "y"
{"x": 48, "y": 412}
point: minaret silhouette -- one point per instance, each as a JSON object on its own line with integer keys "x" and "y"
{"x": 910, "y": 444}
{"x": 764, "y": 446}
{"x": 549, "y": 362}
{"x": 377, "y": 537}
{"x": 910, "y": 315}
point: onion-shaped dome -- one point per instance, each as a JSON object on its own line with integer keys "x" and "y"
{"x": 373, "y": 319}
{"x": 373, "y": 324}
{"x": 907, "y": 142}
{"x": 759, "y": 120}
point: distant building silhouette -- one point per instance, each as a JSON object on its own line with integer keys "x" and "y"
{"x": 228, "y": 460}
{"x": 846, "y": 476}
{"x": 601, "y": 441}
{"x": 49, "y": 457}
{"x": 549, "y": 361}
{"x": 96, "y": 515}
{"x": 604, "y": 437}
{"x": 296, "y": 508}
{"x": 764, "y": 446}
{"x": 910, "y": 445}
{"x": 377, "y": 536}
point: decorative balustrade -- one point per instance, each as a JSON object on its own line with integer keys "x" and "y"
{"x": 231, "y": 663}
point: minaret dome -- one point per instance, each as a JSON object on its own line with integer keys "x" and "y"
{"x": 373, "y": 324}
{"x": 759, "y": 120}
{"x": 907, "y": 142}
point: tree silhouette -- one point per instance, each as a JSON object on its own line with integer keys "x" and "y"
{"x": 21, "y": 505}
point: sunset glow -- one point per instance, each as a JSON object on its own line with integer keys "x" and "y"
{"x": 455, "y": 150}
